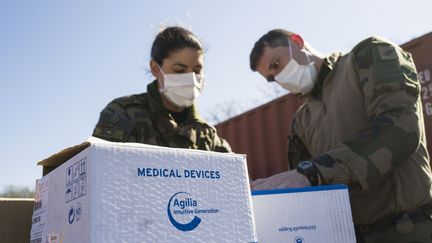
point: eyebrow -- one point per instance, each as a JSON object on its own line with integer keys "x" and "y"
{"x": 185, "y": 66}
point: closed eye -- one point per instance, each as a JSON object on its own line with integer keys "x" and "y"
{"x": 274, "y": 65}
{"x": 179, "y": 67}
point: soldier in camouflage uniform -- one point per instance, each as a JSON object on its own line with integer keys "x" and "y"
{"x": 361, "y": 124}
{"x": 166, "y": 114}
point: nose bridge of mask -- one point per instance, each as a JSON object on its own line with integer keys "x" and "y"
{"x": 178, "y": 79}
{"x": 181, "y": 79}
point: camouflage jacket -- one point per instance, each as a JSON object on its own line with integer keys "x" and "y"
{"x": 364, "y": 128}
{"x": 142, "y": 118}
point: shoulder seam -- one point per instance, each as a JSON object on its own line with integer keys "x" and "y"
{"x": 129, "y": 100}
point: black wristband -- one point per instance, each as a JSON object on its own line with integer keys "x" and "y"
{"x": 308, "y": 169}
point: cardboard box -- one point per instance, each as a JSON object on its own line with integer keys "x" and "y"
{"x": 15, "y": 220}
{"x": 304, "y": 215}
{"x": 126, "y": 192}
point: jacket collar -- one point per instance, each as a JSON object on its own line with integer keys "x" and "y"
{"x": 164, "y": 120}
{"x": 329, "y": 64}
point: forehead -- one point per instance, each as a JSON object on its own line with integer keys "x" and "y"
{"x": 186, "y": 55}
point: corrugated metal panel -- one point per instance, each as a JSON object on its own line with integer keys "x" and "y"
{"x": 262, "y": 133}
{"x": 421, "y": 49}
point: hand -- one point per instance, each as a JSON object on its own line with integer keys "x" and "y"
{"x": 287, "y": 179}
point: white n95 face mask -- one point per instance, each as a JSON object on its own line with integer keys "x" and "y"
{"x": 297, "y": 78}
{"x": 181, "y": 89}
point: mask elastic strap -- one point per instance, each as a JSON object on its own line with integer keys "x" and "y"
{"x": 307, "y": 57}
{"x": 290, "y": 51}
{"x": 160, "y": 84}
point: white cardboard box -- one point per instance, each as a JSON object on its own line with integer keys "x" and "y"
{"x": 125, "y": 192}
{"x": 304, "y": 215}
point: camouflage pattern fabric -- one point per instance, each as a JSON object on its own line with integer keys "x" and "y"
{"x": 142, "y": 118}
{"x": 366, "y": 131}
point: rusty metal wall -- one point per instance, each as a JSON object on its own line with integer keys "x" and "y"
{"x": 421, "y": 49}
{"x": 262, "y": 133}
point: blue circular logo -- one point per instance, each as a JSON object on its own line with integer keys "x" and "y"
{"x": 181, "y": 203}
{"x": 71, "y": 217}
{"x": 299, "y": 239}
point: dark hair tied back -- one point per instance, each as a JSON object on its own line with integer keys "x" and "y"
{"x": 173, "y": 39}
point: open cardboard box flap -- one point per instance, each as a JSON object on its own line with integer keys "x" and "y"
{"x": 59, "y": 158}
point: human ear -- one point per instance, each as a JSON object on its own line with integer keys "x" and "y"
{"x": 298, "y": 40}
{"x": 155, "y": 69}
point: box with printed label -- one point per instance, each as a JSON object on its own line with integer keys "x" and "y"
{"x": 101, "y": 191}
{"x": 319, "y": 214}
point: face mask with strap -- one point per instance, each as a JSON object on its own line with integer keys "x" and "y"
{"x": 181, "y": 89}
{"x": 297, "y": 78}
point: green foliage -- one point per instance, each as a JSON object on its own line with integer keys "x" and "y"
{"x": 12, "y": 191}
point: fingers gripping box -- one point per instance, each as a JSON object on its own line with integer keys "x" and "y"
{"x": 124, "y": 192}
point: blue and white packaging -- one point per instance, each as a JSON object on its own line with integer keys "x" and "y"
{"x": 124, "y": 192}
{"x": 304, "y": 215}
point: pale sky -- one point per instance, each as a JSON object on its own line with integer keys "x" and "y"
{"x": 62, "y": 61}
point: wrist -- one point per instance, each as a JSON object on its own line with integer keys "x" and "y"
{"x": 308, "y": 169}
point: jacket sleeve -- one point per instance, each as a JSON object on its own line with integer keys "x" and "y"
{"x": 114, "y": 124}
{"x": 388, "y": 80}
{"x": 220, "y": 144}
{"x": 297, "y": 151}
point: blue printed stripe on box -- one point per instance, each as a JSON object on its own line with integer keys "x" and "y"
{"x": 303, "y": 189}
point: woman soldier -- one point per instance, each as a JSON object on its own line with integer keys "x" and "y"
{"x": 166, "y": 114}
